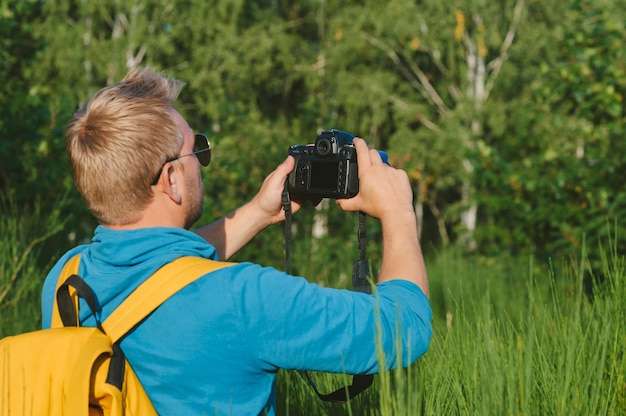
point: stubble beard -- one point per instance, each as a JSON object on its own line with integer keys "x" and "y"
{"x": 194, "y": 209}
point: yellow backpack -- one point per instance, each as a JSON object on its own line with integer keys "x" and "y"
{"x": 73, "y": 370}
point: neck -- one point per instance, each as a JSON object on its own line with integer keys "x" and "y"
{"x": 161, "y": 212}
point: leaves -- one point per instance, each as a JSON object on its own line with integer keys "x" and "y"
{"x": 515, "y": 108}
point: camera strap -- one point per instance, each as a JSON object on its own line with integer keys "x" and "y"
{"x": 360, "y": 283}
{"x": 286, "y": 203}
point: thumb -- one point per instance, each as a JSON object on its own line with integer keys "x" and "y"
{"x": 279, "y": 175}
{"x": 287, "y": 166}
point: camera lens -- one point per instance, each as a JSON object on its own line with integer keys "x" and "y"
{"x": 323, "y": 147}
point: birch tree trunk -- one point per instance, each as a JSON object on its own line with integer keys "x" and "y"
{"x": 479, "y": 78}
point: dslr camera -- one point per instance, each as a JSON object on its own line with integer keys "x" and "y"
{"x": 326, "y": 169}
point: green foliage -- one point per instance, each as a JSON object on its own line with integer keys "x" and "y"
{"x": 262, "y": 76}
{"x": 556, "y": 177}
{"x": 545, "y": 148}
{"x": 23, "y": 109}
{"x": 34, "y": 171}
{"x": 540, "y": 155}
{"x": 510, "y": 337}
{"x": 22, "y": 233}
{"x": 558, "y": 354}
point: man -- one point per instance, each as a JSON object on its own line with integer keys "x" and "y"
{"x": 215, "y": 346}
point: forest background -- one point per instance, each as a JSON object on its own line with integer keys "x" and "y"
{"x": 508, "y": 116}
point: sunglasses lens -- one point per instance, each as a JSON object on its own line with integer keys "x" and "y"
{"x": 202, "y": 149}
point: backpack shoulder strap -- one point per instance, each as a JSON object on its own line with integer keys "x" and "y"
{"x": 168, "y": 280}
{"x": 70, "y": 268}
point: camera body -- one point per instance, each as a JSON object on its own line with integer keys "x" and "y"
{"x": 326, "y": 169}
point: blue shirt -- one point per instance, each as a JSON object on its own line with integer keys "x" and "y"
{"x": 215, "y": 346}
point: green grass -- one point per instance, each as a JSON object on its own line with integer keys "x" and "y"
{"x": 21, "y": 275}
{"x": 511, "y": 336}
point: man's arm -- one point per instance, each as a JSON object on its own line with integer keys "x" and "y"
{"x": 385, "y": 193}
{"x": 232, "y": 232}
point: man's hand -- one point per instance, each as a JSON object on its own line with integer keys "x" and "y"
{"x": 383, "y": 190}
{"x": 385, "y": 193}
{"x": 231, "y": 233}
{"x": 268, "y": 201}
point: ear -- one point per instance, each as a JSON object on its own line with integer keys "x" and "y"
{"x": 171, "y": 182}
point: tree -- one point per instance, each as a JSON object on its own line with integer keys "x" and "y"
{"x": 419, "y": 81}
{"x": 562, "y": 177}
{"x": 22, "y": 107}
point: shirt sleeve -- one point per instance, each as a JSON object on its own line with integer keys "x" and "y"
{"x": 298, "y": 325}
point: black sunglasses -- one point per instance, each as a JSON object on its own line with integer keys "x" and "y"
{"x": 201, "y": 149}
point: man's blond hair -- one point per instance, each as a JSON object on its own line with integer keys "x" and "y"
{"x": 118, "y": 141}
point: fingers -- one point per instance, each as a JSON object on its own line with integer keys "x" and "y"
{"x": 269, "y": 198}
{"x": 366, "y": 156}
{"x": 363, "y": 157}
{"x": 383, "y": 190}
{"x": 364, "y": 161}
